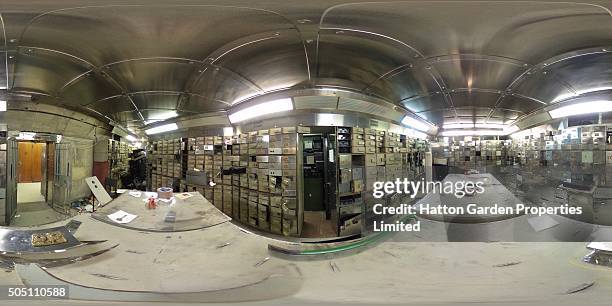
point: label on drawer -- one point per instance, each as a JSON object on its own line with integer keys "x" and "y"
{"x": 275, "y": 172}
{"x": 275, "y": 151}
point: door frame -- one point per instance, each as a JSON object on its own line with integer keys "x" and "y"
{"x": 13, "y": 159}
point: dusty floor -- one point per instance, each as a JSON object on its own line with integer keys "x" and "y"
{"x": 29, "y": 193}
{"x": 36, "y": 213}
{"x": 224, "y": 263}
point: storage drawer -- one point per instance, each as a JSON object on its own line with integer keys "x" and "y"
{"x": 276, "y": 201}
{"x": 380, "y": 159}
{"x": 370, "y": 160}
{"x": 345, "y": 160}
{"x": 357, "y": 137}
{"x": 358, "y": 150}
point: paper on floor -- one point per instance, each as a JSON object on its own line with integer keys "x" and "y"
{"x": 184, "y": 196}
{"x": 122, "y": 217}
{"x": 136, "y": 194}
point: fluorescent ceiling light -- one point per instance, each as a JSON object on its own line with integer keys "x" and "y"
{"x": 2, "y": 106}
{"x": 490, "y": 125}
{"x": 261, "y": 109}
{"x": 472, "y": 133}
{"x": 566, "y": 96}
{"x": 511, "y": 129}
{"x": 161, "y": 117}
{"x": 581, "y": 108}
{"x": 26, "y": 136}
{"x": 228, "y": 131}
{"x": 449, "y": 126}
{"x": 458, "y": 126}
{"x": 131, "y": 138}
{"x": 162, "y": 129}
{"x": 415, "y": 123}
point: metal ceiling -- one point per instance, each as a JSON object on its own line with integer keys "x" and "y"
{"x": 447, "y": 61}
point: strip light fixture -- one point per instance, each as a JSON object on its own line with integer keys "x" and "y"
{"x": 162, "y": 129}
{"x": 472, "y": 125}
{"x": 511, "y": 129}
{"x": 415, "y": 123}
{"x": 458, "y": 126}
{"x": 581, "y": 108}
{"x": 473, "y": 133}
{"x": 131, "y": 138}
{"x": 491, "y": 126}
{"x": 261, "y": 109}
{"x": 26, "y": 136}
{"x": 2, "y": 106}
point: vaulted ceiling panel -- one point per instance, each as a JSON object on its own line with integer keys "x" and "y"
{"x": 107, "y": 34}
{"x": 492, "y": 61}
{"x": 271, "y": 61}
{"x": 477, "y": 72}
{"x": 45, "y": 72}
{"x": 432, "y": 102}
{"x": 156, "y": 74}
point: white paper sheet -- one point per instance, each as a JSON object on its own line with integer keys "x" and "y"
{"x": 122, "y": 217}
{"x": 136, "y": 194}
{"x": 120, "y": 191}
{"x": 184, "y": 196}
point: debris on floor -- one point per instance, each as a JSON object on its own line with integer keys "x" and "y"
{"x": 508, "y": 264}
{"x": 579, "y": 288}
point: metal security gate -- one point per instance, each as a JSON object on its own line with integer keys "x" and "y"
{"x": 12, "y": 161}
{"x": 62, "y": 182}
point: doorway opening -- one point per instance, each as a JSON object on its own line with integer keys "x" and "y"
{"x": 35, "y": 173}
{"x": 319, "y": 183}
{"x": 29, "y": 184}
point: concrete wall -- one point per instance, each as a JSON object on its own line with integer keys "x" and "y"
{"x": 41, "y": 118}
{"x": 81, "y": 131}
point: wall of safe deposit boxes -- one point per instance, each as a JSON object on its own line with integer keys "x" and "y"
{"x": 267, "y": 195}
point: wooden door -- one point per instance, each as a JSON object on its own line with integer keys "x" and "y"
{"x": 37, "y": 154}
{"x": 25, "y": 162}
{"x": 30, "y": 162}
